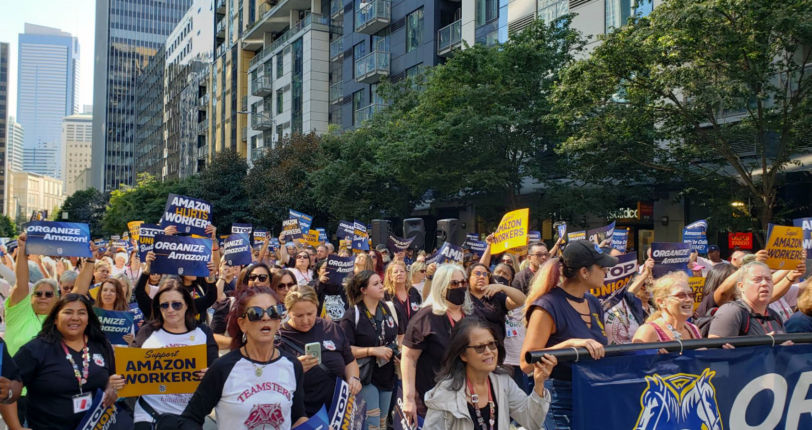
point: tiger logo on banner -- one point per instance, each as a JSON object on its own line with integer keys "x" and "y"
{"x": 679, "y": 401}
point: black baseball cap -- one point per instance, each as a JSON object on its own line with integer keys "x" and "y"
{"x": 583, "y": 253}
{"x": 713, "y": 248}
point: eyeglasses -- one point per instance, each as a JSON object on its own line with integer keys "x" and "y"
{"x": 260, "y": 278}
{"x": 458, "y": 284}
{"x": 255, "y": 313}
{"x": 303, "y": 257}
{"x": 175, "y": 305}
{"x": 374, "y": 256}
{"x": 481, "y": 348}
{"x": 541, "y": 255}
{"x": 47, "y": 294}
{"x": 683, "y": 295}
{"x": 67, "y": 288}
{"x": 286, "y": 286}
{"x": 422, "y": 271}
{"x": 479, "y": 274}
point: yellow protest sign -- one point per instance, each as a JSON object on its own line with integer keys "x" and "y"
{"x": 134, "y": 226}
{"x": 518, "y": 252}
{"x": 93, "y": 292}
{"x": 312, "y": 238}
{"x": 512, "y": 231}
{"x": 785, "y": 247}
{"x": 345, "y": 244}
{"x": 697, "y": 284}
{"x": 160, "y": 370}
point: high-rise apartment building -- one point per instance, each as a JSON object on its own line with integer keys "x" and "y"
{"x": 129, "y": 33}
{"x": 47, "y": 91}
{"x": 149, "y": 118}
{"x": 77, "y": 139}
{"x": 5, "y": 137}
{"x": 15, "y": 142}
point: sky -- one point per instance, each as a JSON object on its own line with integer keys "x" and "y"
{"x": 77, "y": 17}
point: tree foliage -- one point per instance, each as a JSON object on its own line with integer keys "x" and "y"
{"x": 221, "y": 183}
{"x": 143, "y": 202}
{"x": 85, "y": 206}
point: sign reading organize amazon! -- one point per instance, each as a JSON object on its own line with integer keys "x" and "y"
{"x": 189, "y": 215}
{"x": 177, "y": 255}
{"x": 66, "y": 239}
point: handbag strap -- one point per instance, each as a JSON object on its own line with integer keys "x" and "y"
{"x": 296, "y": 348}
{"x": 148, "y": 409}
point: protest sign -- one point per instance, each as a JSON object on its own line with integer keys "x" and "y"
{"x": 620, "y": 240}
{"x": 160, "y": 370}
{"x": 115, "y": 324}
{"x": 237, "y": 250}
{"x": 345, "y": 244}
{"x": 398, "y": 244}
{"x": 598, "y": 235}
{"x": 697, "y": 238}
{"x": 274, "y": 243}
{"x": 360, "y": 239}
{"x": 118, "y": 244}
{"x": 221, "y": 240}
{"x": 757, "y": 387}
{"x": 260, "y": 234}
{"x": 339, "y": 269}
{"x": 518, "y": 252}
{"x": 114, "y": 238}
{"x": 320, "y": 421}
{"x": 237, "y": 228}
{"x": 291, "y": 229}
{"x": 346, "y": 412}
{"x": 134, "y": 227}
{"x": 138, "y": 316}
{"x": 65, "y": 239}
{"x": 478, "y": 247}
{"x": 697, "y": 284}
{"x": 785, "y": 247}
{"x": 345, "y": 229}
{"x": 471, "y": 236}
{"x": 512, "y": 231}
{"x": 146, "y": 239}
{"x": 447, "y": 253}
{"x": 701, "y": 224}
{"x": 304, "y": 220}
{"x": 399, "y": 420}
{"x": 188, "y": 214}
{"x": 618, "y": 276}
{"x": 806, "y": 225}
{"x": 562, "y": 230}
{"x": 670, "y": 257}
{"x": 312, "y": 238}
{"x": 576, "y": 235}
{"x": 322, "y": 235}
{"x": 99, "y": 417}
{"x": 178, "y": 255}
{"x": 534, "y": 236}
{"x": 740, "y": 240}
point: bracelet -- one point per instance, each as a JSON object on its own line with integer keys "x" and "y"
{"x": 429, "y": 277}
{"x": 215, "y": 249}
{"x": 356, "y": 378}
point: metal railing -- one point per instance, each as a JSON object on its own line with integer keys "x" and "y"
{"x": 375, "y": 62}
{"x": 203, "y": 126}
{"x": 336, "y": 48}
{"x": 336, "y": 92}
{"x": 220, "y": 4}
{"x": 310, "y": 19}
{"x": 375, "y": 10}
{"x": 449, "y": 36}
{"x": 244, "y": 104}
{"x": 336, "y": 8}
{"x": 366, "y": 113}
{"x": 262, "y": 85}
{"x": 221, "y": 26}
{"x": 261, "y": 121}
{"x": 203, "y": 100}
{"x": 202, "y": 152}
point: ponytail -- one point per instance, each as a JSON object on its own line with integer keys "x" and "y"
{"x": 547, "y": 278}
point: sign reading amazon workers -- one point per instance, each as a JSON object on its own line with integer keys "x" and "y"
{"x": 115, "y": 324}
{"x": 339, "y": 269}
{"x": 177, "y": 255}
{"x": 618, "y": 276}
{"x": 160, "y": 370}
{"x": 237, "y": 250}
{"x": 66, "y": 239}
{"x": 732, "y": 389}
{"x": 785, "y": 248}
{"x": 291, "y": 229}
{"x": 187, "y": 214}
{"x": 512, "y": 231}
{"x": 146, "y": 239}
{"x": 670, "y": 257}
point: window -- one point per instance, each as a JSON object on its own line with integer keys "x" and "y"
{"x": 358, "y": 52}
{"x": 549, "y": 10}
{"x": 617, "y": 13}
{"x": 279, "y": 101}
{"x": 486, "y": 11}
{"x": 358, "y": 102}
{"x": 414, "y": 30}
{"x": 413, "y": 72}
{"x": 279, "y": 65}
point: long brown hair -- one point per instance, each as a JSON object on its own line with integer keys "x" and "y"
{"x": 121, "y": 302}
{"x": 173, "y": 284}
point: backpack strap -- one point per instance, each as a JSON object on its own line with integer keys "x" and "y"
{"x": 148, "y": 409}
{"x": 391, "y": 307}
{"x": 357, "y": 315}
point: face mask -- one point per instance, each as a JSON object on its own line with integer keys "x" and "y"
{"x": 456, "y": 296}
{"x": 500, "y": 280}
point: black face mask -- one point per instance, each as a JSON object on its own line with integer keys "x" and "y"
{"x": 500, "y": 280}
{"x": 456, "y": 296}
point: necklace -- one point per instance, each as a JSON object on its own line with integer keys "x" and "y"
{"x": 475, "y": 401}
{"x": 675, "y": 332}
{"x": 80, "y": 377}
{"x": 571, "y": 297}
{"x": 258, "y": 369}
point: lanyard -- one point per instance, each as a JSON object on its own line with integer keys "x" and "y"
{"x": 475, "y": 401}
{"x": 407, "y": 304}
{"x": 382, "y": 335}
{"x": 80, "y": 377}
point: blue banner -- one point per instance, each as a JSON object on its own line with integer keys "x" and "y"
{"x": 534, "y": 236}
{"x": 696, "y": 238}
{"x": 620, "y": 240}
{"x": 237, "y": 228}
{"x": 316, "y": 422}
{"x": 345, "y": 229}
{"x": 806, "y": 224}
{"x": 562, "y": 230}
{"x": 138, "y": 316}
{"x": 471, "y": 236}
{"x": 179, "y": 255}
{"x": 598, "y": 235}
{"x": 670, "y": 257}
{"x": 274, "y": 243}
{"x": 360, "y": 238}
{"x": 447, "y": 253}
{"x": 478, "y": 247}
{"x": 100, "y": 418}
{"x": 346, "y": 411}
{"x": 322, "y": 235}
{"x": 237, "y": 250}
{"x": 339, "y": 269}
{"x": 188, "y": 214}
{"x": 758, "y": 387}
{"x": 305, "y": 221}
{"x": 146, "y": 239}
{"x": 65, "y": 239}
{"x": 115, "y": 324}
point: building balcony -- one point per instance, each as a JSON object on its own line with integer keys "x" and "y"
{"x": 244, "y": 104}
{"x": 221, "y": 29}
{"x": 262, "y": 86}
{"x": 273, "y": 16}
{"x": 371, "y": 68}
{"x": 244, "y": 134}
{"x": 203, "y": 102}
{"x": 336, "y": 8}
{"x": 336, "y": 92}
{"x": 221, "y": 7}
{"x": 337, "y": 49}
{"x": 312, "y": 21}
{"x": 261, "y": 121}
{"x": 449, "y": 38}
{"x": 366, "y": 113}
{"x": 203, "y": 126}
{"x": 373, "y": 17}
{"x": 202, "y": 152}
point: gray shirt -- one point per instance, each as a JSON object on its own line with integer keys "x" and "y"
{"x": 729, "y": 321}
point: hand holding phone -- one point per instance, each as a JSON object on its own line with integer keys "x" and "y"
{"x": 314, "y": 349}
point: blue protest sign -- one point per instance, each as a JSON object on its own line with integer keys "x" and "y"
{"x": 305, "y": 221}
{"x": 576, "y": 235}
{"x": 322, "y": 235}
{"x": 115, "y": 324}
{"x": 562, "y": 230}
{"x": 260, "y": 234}
{"x": 620, "y": 240}
{"x": 759, "y": 387}
{"x": 237, "y": 228}
{"x": 398, "y": 244}
{"x": 237, "y": 250}
{"x": 179, "y": 255}
{"x": 701, "y": 224}
{"x": 146, "y": 239}
{"x": 670, "y": 257}
{"x": 291, "y": 229}
{"x": 316, "y": 422}
{"x": 138, "y": 316}
{"x": 478, "y": 247}
{"x": 65, "y": 239}
{"x": 339, "y": 269}
{"x": 471, "y": 236}
{"x": 617, "y": 276}
{"x": 360, "y": 238}
{"x": 806, "y": 225}
{"x": 447, "y": 253}
{"x": 188, "y": 214}
{"x": 345, "y": 229}
{"x": 598, "y": 235}
{"x": 534, "y": 236}
{"x": 696, "y": 238}
{"x": 274, "y": 243}
{"x": 399, "y": 420}
{"x": 100, "y": 418}
{"x": 346, "y": 411}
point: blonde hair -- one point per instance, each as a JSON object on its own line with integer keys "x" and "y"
{"x": 662, "y": 289}
{"x": 513, "y": 262}
{"x": 416, "y": 267}
{"x": 301, "y": 293}
{"x": 439, "y": 287}
{"x": 805, "y": 301}
{"x": 126, "y": 283}
{"x": 388, "y": 284}
{"x": 99, "y": 264}
{"x": 368, "y": 262}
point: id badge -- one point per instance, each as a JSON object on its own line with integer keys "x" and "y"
{"x": 81, "y": 402}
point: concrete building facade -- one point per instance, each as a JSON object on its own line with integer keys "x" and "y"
{"x": 6, "y": 124}
{"x": 15, "y": 144}
{"x": 77, "y": 139}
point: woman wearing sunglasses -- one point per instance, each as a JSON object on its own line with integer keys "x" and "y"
{"x": 252, "y": 276}
{"x": 675, "y": 301}
{"x": 492, "y": 302}
{"x": 173, "y": 324}
{"x": 429, "y": 334}
{"x": 302, "y": 269}
{"x": 256, "y": 385}
{"x": 417, "y": 276}
{"x": 476, "y": 392}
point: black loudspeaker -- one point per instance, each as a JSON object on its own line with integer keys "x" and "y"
{"x": 380, "y": 231}
{"x": 414, "y": 227}
{"x": 447, "y": 231}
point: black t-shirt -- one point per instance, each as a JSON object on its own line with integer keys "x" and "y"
{"x": 493, "y": 310}
{"x": 9, "y": 370}
{"x": 332, "y": 301}
{"x": 51, "y": 382}
{"x": 431, "y": 334}
{"x": 336, "y": 353}
{"x": 365, "y": 334}
{"x": 406, "y": 309}
{"x": 486, "y": 414}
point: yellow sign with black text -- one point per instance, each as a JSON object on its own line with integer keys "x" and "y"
{"x": 785, "y": 248}
{"x": 512, "y": 231}
{"x": 134, "y": 227}
{"x": 160, "y": 370}
{"x": 697, "y": 284}
{"x": 312, "y": 238}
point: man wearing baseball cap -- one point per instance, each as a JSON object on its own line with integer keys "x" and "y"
{"x": 713, "y": 259}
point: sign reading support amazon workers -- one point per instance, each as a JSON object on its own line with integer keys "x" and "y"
{"x": 785, "y": 248}
{"x": 237, "y": 250}
{"x": 160, "y": 370}
{"x": 178, "y": 255}
{"x": 66, "y": 239}
{"x": 189, "y": 215}
{"x": 146, "y": 239}
{"x": 512, "y": 231}
{"x": 291, "y": 229}
{"x": 670, "y": 257}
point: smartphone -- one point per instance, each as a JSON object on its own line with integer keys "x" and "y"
{"x": 314, "y": 349}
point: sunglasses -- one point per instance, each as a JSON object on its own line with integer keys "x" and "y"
{"x": 481, "y": 348}
{"x": 302, "y": 257}
{"x": 479, "y": 274}
{"x": 255, "y": 313}
{"x": 286, "y": 286}
{"x": 422, "y": 271}
{"x": 175, "y": 305}
{"x": 457, "y": 284}
{"x": 47, "y": 294}
{"x": 683, "y": 295}
{"x": 260, "y": 278}
{"x": 67, "y": 288}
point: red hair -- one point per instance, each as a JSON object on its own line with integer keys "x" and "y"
{"x": 547, "y": 278}
{"x": 378, "y": 263}
{"x": 238, "y": 310}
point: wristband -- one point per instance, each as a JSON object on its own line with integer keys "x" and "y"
{"x": 429, "y": 277}
{"x": 354, "y": 377}
{"x": 215, "y": 249}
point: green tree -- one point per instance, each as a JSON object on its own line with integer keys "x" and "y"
{"x": 7, "y": 227}
{"x": 85, "y": 206}
{"x": 678, "y": 96}
{"x": 143, "y": 202}
{"x": 221, "y": 183}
